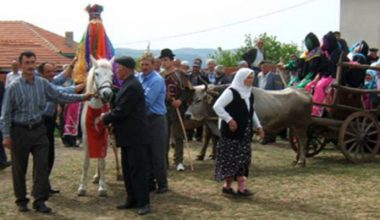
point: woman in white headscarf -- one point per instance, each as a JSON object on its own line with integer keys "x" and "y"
{"x": 235, "y": 109}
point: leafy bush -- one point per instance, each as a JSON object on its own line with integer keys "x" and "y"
{"x": 275, "y": 50}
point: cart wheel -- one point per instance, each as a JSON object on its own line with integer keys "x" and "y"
{"x": 359, "y": 137}
{"x": 315, "y": 144}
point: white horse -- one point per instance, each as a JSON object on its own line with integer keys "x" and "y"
{"x": 99, "y": 82}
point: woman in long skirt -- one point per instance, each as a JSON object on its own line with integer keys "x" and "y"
{"x": 235, "y": 109}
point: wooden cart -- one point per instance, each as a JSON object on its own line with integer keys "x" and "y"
{"x": 354, "y": 129}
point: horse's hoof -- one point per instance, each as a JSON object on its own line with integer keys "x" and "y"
{"x": 95, "y": 180}
{"x": 119, "y": 177}
{"x": 301, "y": 164}
{"x": 82, "y": 192}
{"x": 102, "y": 193}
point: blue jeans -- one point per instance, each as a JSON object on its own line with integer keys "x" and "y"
{"x": 3, "y": 156}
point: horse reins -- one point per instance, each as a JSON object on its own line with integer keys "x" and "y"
{"x": 105, "y": 84}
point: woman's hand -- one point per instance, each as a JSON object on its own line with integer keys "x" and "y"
{"x": 261, "y": 133}
{"x": 232, "y": 125}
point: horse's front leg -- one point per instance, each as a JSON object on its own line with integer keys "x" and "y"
{"x": 102, "y": 189}
{"x": 82, "y": 190}
{"x": 95, "y": 178}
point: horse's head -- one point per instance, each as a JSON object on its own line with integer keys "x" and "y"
{"x": 99, "y": 79}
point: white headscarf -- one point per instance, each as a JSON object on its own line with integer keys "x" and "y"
{"x": 238, "y": 82}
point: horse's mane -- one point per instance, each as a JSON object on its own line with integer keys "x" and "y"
{"x": 101, "y": 63}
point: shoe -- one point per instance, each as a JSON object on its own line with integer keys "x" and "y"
{"x": 152, "y": 188}
{"x": 265, "y": 142}
{"x": 52, "y": 191}
{"x": 23, "y": 208}
{"x": 161, "y": 190}
{"x": 180, "y": 167}
{"x": 200, "y": 157}
{"x": 211, "y": 157}
{"x": 127, "y": 205}
{"x": 245, "y": 193}
{"x": 228, "y": 191}
{"x": 41, "y": 207}
{"x": 5, "y": 165}
{"x": 143, "y": 210}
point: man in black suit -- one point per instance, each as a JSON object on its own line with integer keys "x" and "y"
{"x": 129, "y": 120}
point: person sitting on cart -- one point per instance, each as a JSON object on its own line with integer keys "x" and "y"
{"x": 313, "y": 62}
{"x": 355, "y": 77}
{"x": 332, "y": 52}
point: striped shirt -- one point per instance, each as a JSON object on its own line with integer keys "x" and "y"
{"x": 57, "y": 83}
{"x": 25, "y": 102}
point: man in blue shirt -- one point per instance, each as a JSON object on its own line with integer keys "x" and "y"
{"x": 155, "y": 93}
{"x": 47, "y": 71}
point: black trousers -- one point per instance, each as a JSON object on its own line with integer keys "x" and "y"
{"x": 157, "y": 133}
{"x": 26, "y": 141}
{"x": 134, "y": 165}
{"x": 50, "y": 126}
{"x": 3, "y": 155}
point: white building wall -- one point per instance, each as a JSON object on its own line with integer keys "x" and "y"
{"x": 360, "y": 20}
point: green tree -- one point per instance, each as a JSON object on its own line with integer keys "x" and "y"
{"x": 274, "y": 50}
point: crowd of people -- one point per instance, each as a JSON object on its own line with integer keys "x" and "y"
{"x": 147, "y": 112}
{"x": 315, "y": 70}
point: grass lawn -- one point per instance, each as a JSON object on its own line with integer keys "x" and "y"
{"x": 328, "y": 188}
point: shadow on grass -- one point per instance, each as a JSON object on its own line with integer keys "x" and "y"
{"x": 182, "y": 200}
{"x": 287, "y": 206}
{"x": 294, "y": 207}
{"x": 326, "y": 164}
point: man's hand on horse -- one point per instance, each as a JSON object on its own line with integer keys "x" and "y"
{"x": 101, "y": 117}
{"x": 7, "y": 142}
{"x": 88, "y": 96}
{"x": 176, "y": 103}
{"x": 110, "y": 128}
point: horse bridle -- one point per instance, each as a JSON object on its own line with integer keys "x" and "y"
{"x": 105, "y": 84}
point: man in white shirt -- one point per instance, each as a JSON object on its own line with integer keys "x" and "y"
{"x": 211, "y": 64}
{"x": 260, "y": 53}
{"x": 14, "y": 74}
{"x": 255, "y": 56}
{"x": 267, "y": 79}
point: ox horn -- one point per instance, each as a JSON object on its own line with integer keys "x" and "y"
{"x": 200, "y": 88}
{"x": 212, "y": 92}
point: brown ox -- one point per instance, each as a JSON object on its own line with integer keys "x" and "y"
{"x": 277, "y": 110}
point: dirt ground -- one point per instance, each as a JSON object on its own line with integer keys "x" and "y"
{"x": 328, "y": 188}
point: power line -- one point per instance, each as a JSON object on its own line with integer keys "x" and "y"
{"x": 221, "y": 26}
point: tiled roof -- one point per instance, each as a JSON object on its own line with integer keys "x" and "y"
{"x": 18, "y": 36}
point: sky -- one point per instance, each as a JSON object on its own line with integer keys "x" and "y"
{"x": 135, "y": 24}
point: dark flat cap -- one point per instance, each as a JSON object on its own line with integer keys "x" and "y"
{"x": 126, "y": 61}
{"x": 373, "y": 49}
{"x": 166, "y": 53}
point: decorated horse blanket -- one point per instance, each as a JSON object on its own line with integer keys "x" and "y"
{"x": 97, "y": 134}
